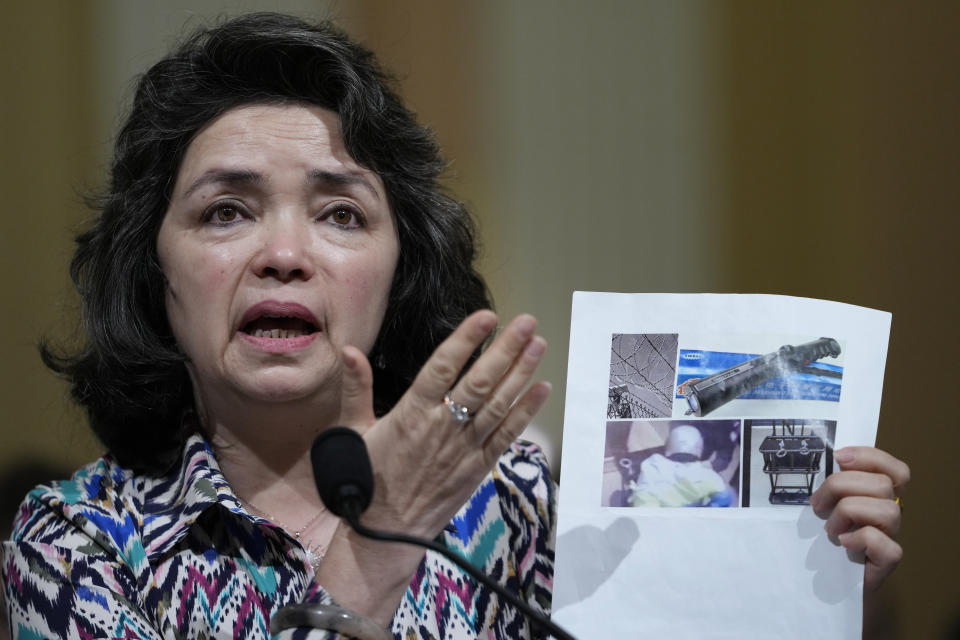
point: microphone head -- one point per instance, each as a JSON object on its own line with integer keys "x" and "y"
{"x": 341, "y": 469}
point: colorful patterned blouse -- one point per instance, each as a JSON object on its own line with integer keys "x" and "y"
{"x": 110, "y": 554}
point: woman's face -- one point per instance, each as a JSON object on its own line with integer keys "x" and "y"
{"x": 278, "y": 249}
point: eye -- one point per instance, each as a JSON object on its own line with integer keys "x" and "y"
{"x": 223, "y": 213}
{"x": 344, "y": 215}
{"x": 226, "y": 214}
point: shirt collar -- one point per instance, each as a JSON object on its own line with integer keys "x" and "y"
{"x": 174, "y": 502}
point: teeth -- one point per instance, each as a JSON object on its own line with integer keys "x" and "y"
{"x": 279, "y": 333}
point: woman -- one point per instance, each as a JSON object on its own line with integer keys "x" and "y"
{"x": 272, "y": 228}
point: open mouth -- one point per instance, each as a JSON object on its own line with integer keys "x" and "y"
{"x": 268, "y": 326}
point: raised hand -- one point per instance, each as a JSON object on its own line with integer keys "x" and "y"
{"x": 861, "y": 507}
{"x": 426, "y": 461}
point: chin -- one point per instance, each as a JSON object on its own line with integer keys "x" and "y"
{"x": 283, "y": 393}
{"x": 285, "y": 385}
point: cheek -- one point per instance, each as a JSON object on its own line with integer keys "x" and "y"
{"x": 195, "y": 287}
{"x": 363, "y": 293}
{"x": 198, "y": 272}
{"x": 367, "y": 294}
{"x": 371, "y": 287}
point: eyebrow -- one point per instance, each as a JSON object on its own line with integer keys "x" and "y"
{"x": 342, "y": 179}
{"x": 244, "y": 177}
{"x": 234, "y": 177}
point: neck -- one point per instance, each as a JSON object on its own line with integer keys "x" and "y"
{"x": 264, "y": 451}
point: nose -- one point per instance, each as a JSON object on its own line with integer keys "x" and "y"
{"x": 284, "y": 254}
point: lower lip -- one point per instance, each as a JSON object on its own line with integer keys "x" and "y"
{"x": 280, "y": 345}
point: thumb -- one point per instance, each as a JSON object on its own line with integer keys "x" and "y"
{"x": 356, "y": 390}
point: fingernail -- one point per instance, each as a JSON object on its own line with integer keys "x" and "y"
{"x": 843, "y": 456}
{"x": 489, "y": 322}
{"x": 842, "y": 538}
{"x": 526, "y": 325}
{"x": 545, "y": 389}
{"x": 536, "y": 347}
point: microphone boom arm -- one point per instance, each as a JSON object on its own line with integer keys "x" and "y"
{"x": 351, "y": 511}
{"x": 344, "y": 477}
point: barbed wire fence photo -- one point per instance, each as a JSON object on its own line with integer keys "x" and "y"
{"x": 642, "y": 374}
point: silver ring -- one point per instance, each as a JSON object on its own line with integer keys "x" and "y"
{"x": 460, "y": 413}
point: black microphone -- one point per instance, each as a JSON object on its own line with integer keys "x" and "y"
{"x": 344, "y": 477}
{"x": 342, "y": 471}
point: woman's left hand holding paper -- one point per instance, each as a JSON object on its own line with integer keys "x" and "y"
{"x": 862, "y": 508}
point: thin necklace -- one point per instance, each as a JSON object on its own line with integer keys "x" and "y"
{"x": 316, "y": 552}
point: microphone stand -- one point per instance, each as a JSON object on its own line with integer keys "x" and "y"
{"x": 328, "y": 617}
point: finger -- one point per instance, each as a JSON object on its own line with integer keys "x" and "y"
{"x": 356, "y": 390}
{"x": 516, "y": 421}
{"x": 882, "y": 553}
{"x": 876, "y": 461}
{"x": 496, "y": 408}
{"x": 850, "y": 483}
{"x": 442, "y": 369}
{"x": 486, "y": 374}
{"x": 857, "y": 511}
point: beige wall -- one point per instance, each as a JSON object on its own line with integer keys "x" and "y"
{"x": 45, "y": 163}
{"x": 581, "y": 136}
{"x": 807, "y": 149}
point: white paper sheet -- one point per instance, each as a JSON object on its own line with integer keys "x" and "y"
{"x": 758, "y": 571}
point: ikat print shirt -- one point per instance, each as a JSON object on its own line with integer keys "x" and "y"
{"x": 112, "y": 554}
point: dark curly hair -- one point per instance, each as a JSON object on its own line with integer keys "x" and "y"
{"x": 130, "y": 374}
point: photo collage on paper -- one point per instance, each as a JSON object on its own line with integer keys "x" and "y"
{"x": 719, "y": 420}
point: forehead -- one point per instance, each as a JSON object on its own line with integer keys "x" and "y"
{"x": 260, "y": 135}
